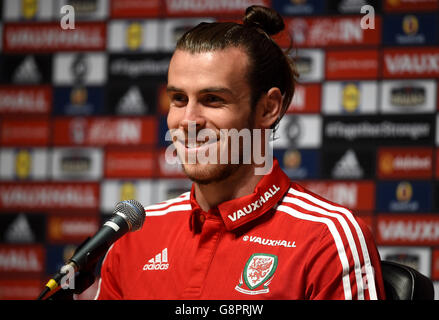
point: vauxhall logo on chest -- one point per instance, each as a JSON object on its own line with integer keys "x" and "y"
{"x": 255, "y": 205}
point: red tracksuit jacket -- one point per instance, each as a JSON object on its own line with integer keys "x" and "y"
{"x": 281, "y": 242}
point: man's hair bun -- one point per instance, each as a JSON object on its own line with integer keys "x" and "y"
{"x": 265, "y": 18}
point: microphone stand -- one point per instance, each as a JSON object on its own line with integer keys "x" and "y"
{"x": 83, "y": 280}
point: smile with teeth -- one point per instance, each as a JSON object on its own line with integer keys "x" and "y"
{"x": 197, "y": 144}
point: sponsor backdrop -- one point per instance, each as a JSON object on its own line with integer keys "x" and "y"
{"x": 82, "y": 119}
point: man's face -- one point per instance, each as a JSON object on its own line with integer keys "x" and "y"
{"x": 208, "y": 90}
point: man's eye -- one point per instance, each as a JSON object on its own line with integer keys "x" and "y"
{"x": 212, "y": 99}
{"x": 178, "y": 99}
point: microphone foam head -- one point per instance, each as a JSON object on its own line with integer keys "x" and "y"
{"x": 134, "y": 211}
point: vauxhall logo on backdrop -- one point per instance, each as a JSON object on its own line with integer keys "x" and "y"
{"x": 408, "y": 96}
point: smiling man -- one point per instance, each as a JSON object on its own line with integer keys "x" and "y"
{"x": 211, "y": 98}
{"x": 238, "y": 234}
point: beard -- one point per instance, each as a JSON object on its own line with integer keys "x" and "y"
{"x": 208, "y": 173}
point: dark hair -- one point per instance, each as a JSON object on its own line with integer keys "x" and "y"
{"x": 269, "y": 66}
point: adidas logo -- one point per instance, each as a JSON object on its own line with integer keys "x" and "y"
{"x": 19, "y": 231}
{"x": 131, "y": 103}
{"x": 159, "y": 262}
{"x": 348, "y": 166}
{"x": 27, "y": 72}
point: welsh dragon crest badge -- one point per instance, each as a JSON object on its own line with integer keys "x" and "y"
{"x": 257, "y": 274}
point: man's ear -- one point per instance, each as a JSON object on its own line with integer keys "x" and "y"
{"x": 269, "y": 108}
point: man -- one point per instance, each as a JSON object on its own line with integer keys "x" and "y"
{"x": 238, "y": 234}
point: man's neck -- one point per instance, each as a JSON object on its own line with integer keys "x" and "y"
{"x": 240, "y": 183}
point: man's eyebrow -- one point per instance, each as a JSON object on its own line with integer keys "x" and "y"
{"x": 173, "y": 89}
{"x": 205, "y": 90}
{"x": 217, "y": 90}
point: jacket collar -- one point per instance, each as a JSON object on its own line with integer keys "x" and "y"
{"x": 237, "y": 212}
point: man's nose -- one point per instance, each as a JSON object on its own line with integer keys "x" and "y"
{"x": 193, "y": 116}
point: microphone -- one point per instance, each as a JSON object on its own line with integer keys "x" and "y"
{"x": 128, "y": 215}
